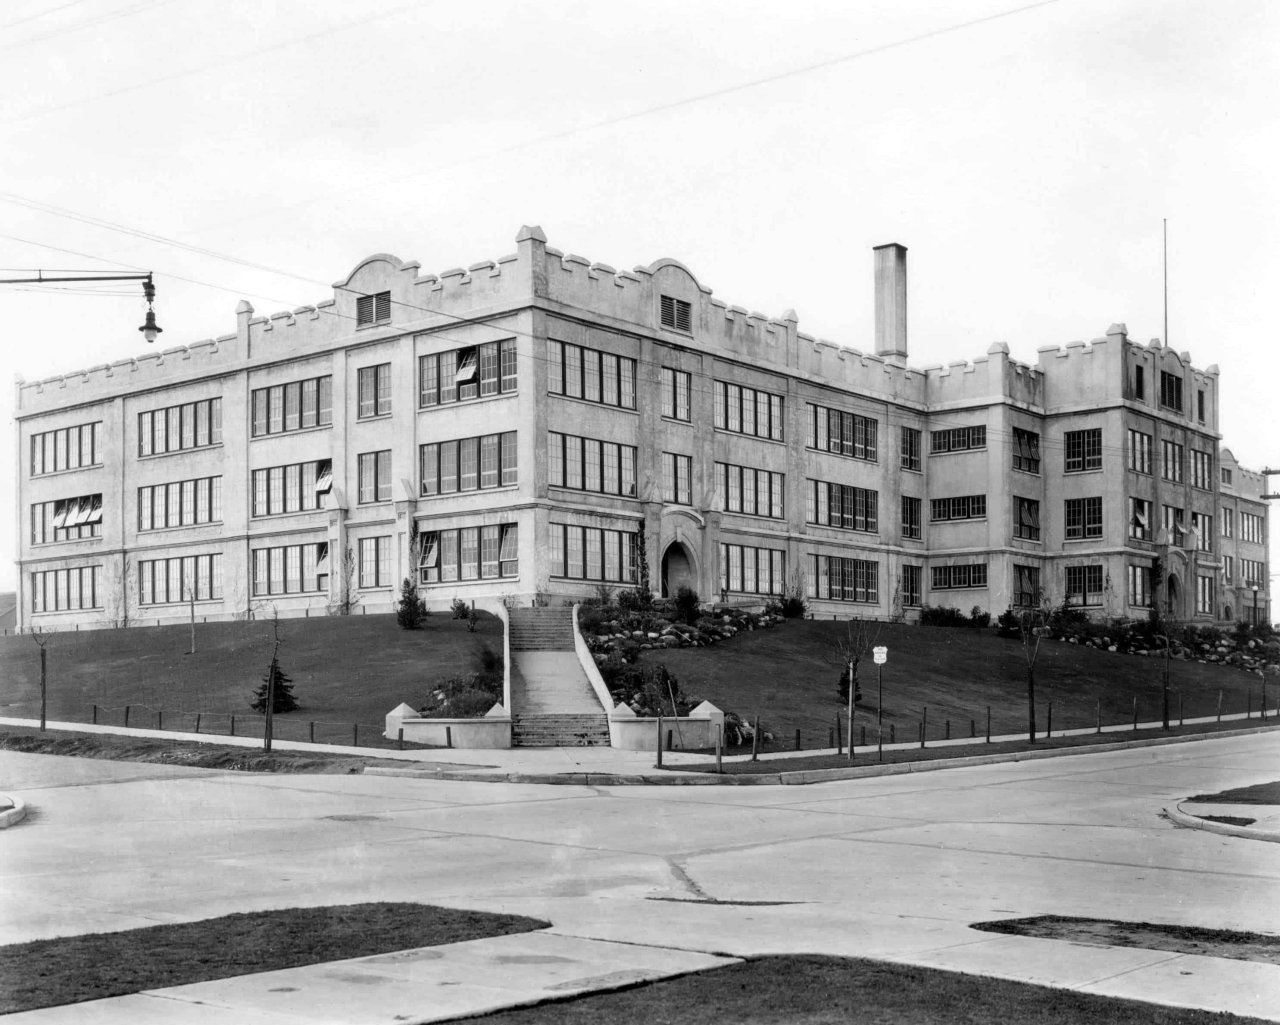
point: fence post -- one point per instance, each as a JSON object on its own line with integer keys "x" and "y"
{"x": 355, "y": 734}
{"x": 311, "y": 732}
{"x": 839, "y": 735}
{"x": 797, "y": 740}
{"x": 1219, "y": 706}
{"x": 719, "y": 747}
{"x": 831, "y": 739}
{"x": 95, "y": 715}
{"x": 1180, "y": 708}
{"x": 1098, "y": 709}
{"x": 988, "y": 724}
{"x": 947, "y": 734}
{"x": 197, "y": 722}
{"x": 973, "y": 729}
{"x": 924, "y": 725}
{"x": 669, "y": 744}
{"x": 1135, "y": 712}
{"x": 1248, "y": 708}
{"x": 755, "y": 740}
{"x": 126, "y": 716}
{"x": 233, "y": 726}
{"x": 659, "y": 740}
{"x": 159, "y": 718}
{"x": 1048, "y": 724}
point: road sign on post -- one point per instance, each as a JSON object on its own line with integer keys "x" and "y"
{"x": 880, "y": 655}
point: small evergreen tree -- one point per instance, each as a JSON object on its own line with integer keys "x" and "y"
{"x": 281, "y": 688}
{"x": 412, "y": 610}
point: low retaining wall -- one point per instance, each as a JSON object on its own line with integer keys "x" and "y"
{"x": 493, "y": 732}
{"x": 696, "y": 732}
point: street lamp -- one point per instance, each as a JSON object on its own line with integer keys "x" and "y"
{"x": 1255, "y": 604}
{"x": 149, "y": 328}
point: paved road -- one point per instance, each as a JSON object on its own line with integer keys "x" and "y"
{"x": 893, "y": 867}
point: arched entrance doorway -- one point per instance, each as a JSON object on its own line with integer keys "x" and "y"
{"x": 677, "y": 569}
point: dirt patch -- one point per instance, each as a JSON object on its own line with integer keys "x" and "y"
{"x": 1261, "y": 793}
{"x": 1229, "y": 820}
{"x": 1178, "y": 939}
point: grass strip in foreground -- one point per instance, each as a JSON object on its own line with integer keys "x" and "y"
{"x": 812, "y": 990}
{"x": 71, "y": 969}
{"x": 1261, "y": 793}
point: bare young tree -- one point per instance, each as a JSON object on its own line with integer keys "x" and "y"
{"x": 1033, "y": 624}
{"x": 848, "y": 651}
{"x": 348, "y": 598}
{"x": 191, "y": 601}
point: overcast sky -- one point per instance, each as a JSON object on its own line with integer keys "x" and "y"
{"x": 1025, "y": 155}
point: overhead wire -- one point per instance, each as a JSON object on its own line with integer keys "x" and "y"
{"x": 124, "y": 12}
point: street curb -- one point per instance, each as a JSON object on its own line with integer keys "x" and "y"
{"x": 1180, "y": 818}
{"x": 12, "y": 816}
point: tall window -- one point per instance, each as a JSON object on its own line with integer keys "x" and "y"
{"x": 1139, "y": 585}
{"x": 469, "y": 553}
{"x": 834, "y": 578}
{"x": 468, "y": 464}
{"x": 176, "y": 428}
{"x": 1200, "y": 406}
{"x": 171, "y": 581}
{"x": 574, "y": 551}
{"x": 1139, "y": 451}
{"x": 1202, "y": 531}
{"x": 1083, "y": 450}
{"x": 1228, "y": 521}
{"x": 375, "y": 476}
{"x": 181, "y": 504}
{"x": 1174, "y": 526}
{"x": 571, "y": 371}
{"x": 1026, "y": 586}
{"x": 843, "y": 506}
{"x": 375, "y": 562}
{"x": 675, "y": 394}
{"x": 845, "y": 434}
{"x": 747, "y": 411}
{"x": 953, "y": 578}
{"x": 460, "y": 375}
{"x": 911, "y": 584}
{"x": 1251, "y": 570}
{"x": 59, "y": 590}
{"x": 373, "y": 309}
{"x": 677, "y": 486}
{"x": 1139, "y": 383}
{"x": 296, "y": 406}
{"x": 909, "y": 448}
{"x": 1026, "y": 450}
{"x": 911, "y": 517}
{"x": 1083, "y": 518}
{"x": 1251, "y": 527}
{"x": 374, "y": 388}
{"x": 1171, "y": 461}
{"x": 68, "y": 448}
{"x": 1084, "y": 585}
{"x": 1204, "y": 589}
{"x": 1171, "y": 391}
{"x": 299, "y": 487}
{"x": 1026, "y": 519}
{"x": 1228, "y": 569}
{"x": 66, "y": 519}
{"x": 744, "y": 489}
{"x": 746, "y": 570}
{"x": 291, "y": 569}
{"x": 1139, "y": 519}
{"x": 961, "y": 507}
{"x": 1201, "y": 469}
{"x": 959, "y": 439}
{"x": 675, "y": 313}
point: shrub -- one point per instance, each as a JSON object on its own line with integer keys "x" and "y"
{"x": 1066, "y": 617}
{"x": 282, "y": 699}
{"x": 411, "y": 610}
{"x": 688, "y": 605}
{"x": 459, "y": 608}
{"x": 793, "y": 607}
{"x": 979, "y": 618}
{"x": 1008, "y": 625}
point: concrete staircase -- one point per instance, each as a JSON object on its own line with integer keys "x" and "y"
{"x": 553, "y": 702}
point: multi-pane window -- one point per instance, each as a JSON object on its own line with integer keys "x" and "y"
{"x": 1251, "y": 527}
{"x": 953, "y": 578}
{"x": 291, "y": 569}
{"x": 1026, "y": 518}
{"x": 1228, "y": 521}
{"x": 1084, "y": 585}
{"x": 374, "y": 470}
{"x": 61, "y": 590}
{"x": 1228, "y": 569}
{"x": 746, "y": 570}
{"x": 298, "y": 487}
{"x": 593, "y": 553}
{"x": 180, "y": 504}
{"x": 296, "y": 406}
{"x": 1082, "y": 517}
{"x": 960, "y": 507}
{"x": 744, "y": 489}
{"x": 1171, "y": 461}
{"x": 1202, "y": 531}
{"x": 460, "y": 375}
{"x": 1026, "y": 586}
{"x": 373, "y": 388}
{"x": 1201, "y": 469}
{"x": 170, "y": 581}
{"x": 67, "y": 448}
{"x": 571, "y": 370}
{"x": 375, "y": 562}
{"x": 1204, "y": 588}
{"x": 468, "y": 464}
{"x": 587, "y": 464}
{"x": 909, "y": 448}
{"x": 1139, "y": 451}
{"x": 175, "y": 428}
{"x": 1139, "y": 519}
{"x": 66, "y": 519}
{"x": 675, "y": 393}
{"x": 1026, "y": 450}
{"x": 1174, "y": 526}
{"x": 959, "y": 439}
{"x": 911, "y": 515}
{"x": 1251, "y": 570}
{"x": 1171, "y": 391}
{"x": 845, "y": 434}
{"x": 843, "y": 506}
{"x": 1083, "y": 450}
{"x": 1226, "y": 476}
{"x": 911, "y": 584}
{"x": 835, "y": 578}
{"x": 469, "y": 553}
{"x": 677, "y": 485}
{"x": 373, "y": 309}
{"x": 1139, "y": 585}
{"x": 675, "y": 313}
{"x": 1139, "y": 383}
{"x": 747, "y": 411}
{"x": 1200, "y": 406}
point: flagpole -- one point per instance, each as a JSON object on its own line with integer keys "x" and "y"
{"x": 1165, "y": 223}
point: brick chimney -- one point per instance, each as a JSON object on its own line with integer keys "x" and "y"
{"x": 891, "y": 302}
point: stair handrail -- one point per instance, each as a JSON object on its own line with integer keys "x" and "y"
{"x": 589, "y": 665}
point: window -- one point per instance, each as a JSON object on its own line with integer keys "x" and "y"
{"x": 1204, "y": 587}
{"x": 1083, "y": 518}
{"x": 675, "y": 313}
{"x": 747, "y": 411}
{"x": 675, "y": 394}
{"x": 570, "y": 543}
{"x": 1228, "y": 522}
{"x": 911, "y": 577}
{"x": 1171, "y": 391}
{"x": 374, "y": 389}
{"x": 375, "y": 476}
{"x": 1026, "y": 519}
{"x": 1226, "y": 477}
{"x": 1200, "y": 407}
{"x": 1201, "y": 469}
{"x": 375, "y": 562}
{"x": 468, "y": 553}
{"x": 59, "y": 590}
{"x": 460, "y": 375}
{"x": 953, "y": 578}
{"x": 468, "y": 464}
{"x": 586, "y": 464}
{"x": 744, "y": 489}
{"x": 1026, "y": 450}
{"x": 959, "y": 439}
{"x": 286, "y": 489}
{"x": 909, "y": 448}
{"x": 1174, "y": 527}
{"x": 296, "y": 406}
{"x": 1083, "y": 450}
{"x": 184, "y": 504}
{"x": 291, "y": 569}
{"x": 1228, "y": 569}
{"x": 1026, "y": 586}
{"x": 1251, "y": 528}
{"x": 172, "y": 581}
{"x": 845, "y": 434}
{"x": 911, "y": 517}
{"x": 745, "y": 570}
{"x": 68, "y": 448}
{"x": 1139, "y": 519}
{"x": 1202, "y": 531}
{"x": 175, "y": 428}
{"x": 1139, "y": 383}
{"x": 1084, "y": 585}
{"x": 963, "y": 507}
{"x": 1252, "y": 571}
{"x": 677, "y": 486}
{"x": 66, "y": 519}
{"x": 838, "y": 579}
{"x": 1139, "y": 585}
{"x": 373, "y": 309}
{"x": 566, "y": 374}
{"x": 843, "y": 506}
{"x": 1139, "y": 451}
{"x": 1171, "y": 461}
